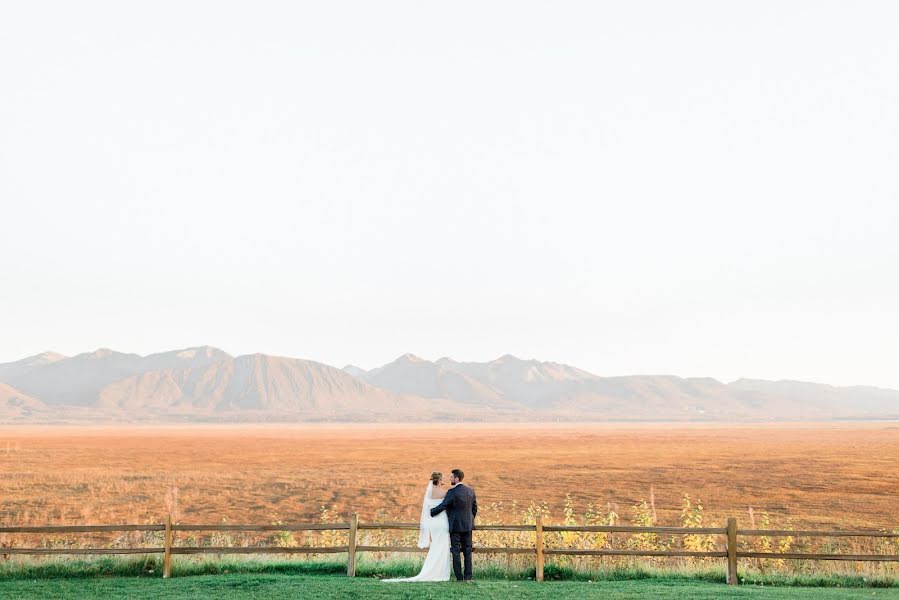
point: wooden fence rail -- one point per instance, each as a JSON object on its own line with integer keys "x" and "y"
{"x": 539, "y": 550}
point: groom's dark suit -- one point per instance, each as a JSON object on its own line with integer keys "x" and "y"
{"x": 461, "y": 506}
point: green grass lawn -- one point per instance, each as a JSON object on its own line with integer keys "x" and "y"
{"x": 278, "y": 586}
{"x": 222, "y": 578}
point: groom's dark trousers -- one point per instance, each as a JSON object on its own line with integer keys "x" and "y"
{"x": 461, "y": 506}
{"x": 460, "y": 541}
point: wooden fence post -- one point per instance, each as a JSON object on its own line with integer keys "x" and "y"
{"x": 731, "y": 551}
{"x": 167, "y": 553}
{"x": 539, "y": 529}
{"x": 351, "y": 546}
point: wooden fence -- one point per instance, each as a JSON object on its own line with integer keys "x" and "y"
{"x": 731, "y": 552}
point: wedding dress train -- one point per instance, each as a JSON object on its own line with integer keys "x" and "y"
{"x": 433, "y": 534}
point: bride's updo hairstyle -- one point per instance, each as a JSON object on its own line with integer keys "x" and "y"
{"x": 436, "y": 476}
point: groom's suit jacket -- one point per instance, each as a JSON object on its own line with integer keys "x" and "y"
{"x": 461, "y": 506}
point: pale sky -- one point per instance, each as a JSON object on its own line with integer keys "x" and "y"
{"x": 694, "y": 188}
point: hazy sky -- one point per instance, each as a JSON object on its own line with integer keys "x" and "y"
{"x": 696, "y": 188}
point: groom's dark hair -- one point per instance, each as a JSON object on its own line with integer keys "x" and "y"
{"x": 459, "y": 474}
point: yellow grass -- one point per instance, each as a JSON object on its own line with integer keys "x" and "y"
{"x": 800, "y": 476}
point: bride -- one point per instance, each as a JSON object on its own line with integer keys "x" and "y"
{"x": 434, "y": 532}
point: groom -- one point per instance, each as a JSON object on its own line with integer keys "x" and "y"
{"x": 461, "y": 508}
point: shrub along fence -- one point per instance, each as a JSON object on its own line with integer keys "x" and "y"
{"x": 731, "y": 554}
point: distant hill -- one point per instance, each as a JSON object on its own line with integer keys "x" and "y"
{"x": 16, "y": 370}
{"x": 263, "y": 387}
{"x": 208, "y": 384}
{"x": 77, "y": 381}
{"x": 16, "y": 405}
{"x": 410, "y": 374}
{"x": 201, "y": 383}
{"x": 548, "y": 390}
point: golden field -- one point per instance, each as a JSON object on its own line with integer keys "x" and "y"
{"x": 803, "y": 475}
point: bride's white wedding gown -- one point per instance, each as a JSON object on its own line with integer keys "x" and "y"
{"x": 434, "y": 535}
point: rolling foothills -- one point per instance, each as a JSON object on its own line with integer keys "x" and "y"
{"x": 205, "y": 384}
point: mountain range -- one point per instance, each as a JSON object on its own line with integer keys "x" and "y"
{"x": 208, "y": 384}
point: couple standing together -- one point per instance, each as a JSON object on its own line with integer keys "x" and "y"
{"x": 447, "y": 518}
